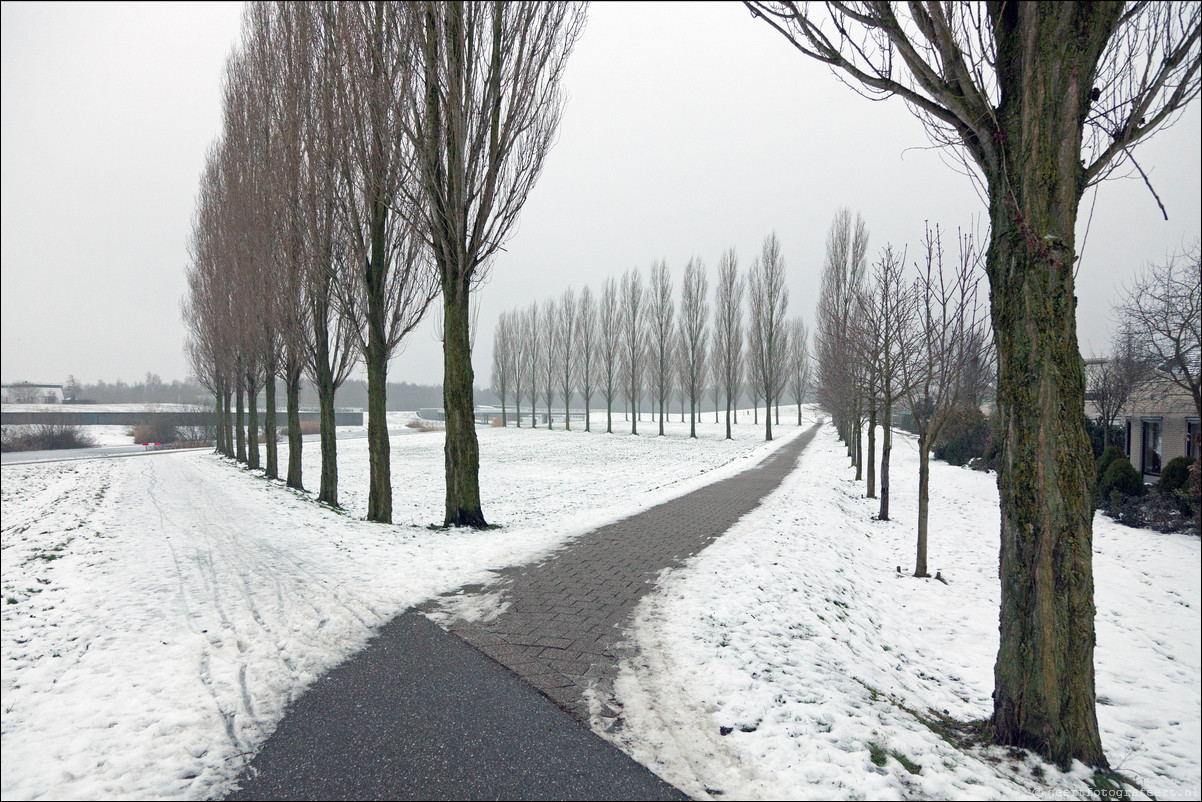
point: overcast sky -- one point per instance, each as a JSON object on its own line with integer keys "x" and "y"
{"x": 688, "y": 129}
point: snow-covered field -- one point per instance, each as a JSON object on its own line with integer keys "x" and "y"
{"x": 161, "y": 611}
{"x": 796, "y": 636}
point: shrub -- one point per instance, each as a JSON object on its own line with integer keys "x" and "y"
{"x": 965, "y": 437}
{"x": 154, "y": 431}
{"x": 1098, "y": 436}
{"x": 1108, "y": 456}
{"x": 44, "y": 437}
{"x": 1175, "y": 475}
{"x": 1120, "y": 477}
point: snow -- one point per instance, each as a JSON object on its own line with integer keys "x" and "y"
{"x": 160, "y": 613}
{"x": 796, "y": 631}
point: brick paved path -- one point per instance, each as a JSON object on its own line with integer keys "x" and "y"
{"x": 563, "y": 628}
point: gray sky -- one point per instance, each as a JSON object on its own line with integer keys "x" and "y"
{"x": 688, "y": 129}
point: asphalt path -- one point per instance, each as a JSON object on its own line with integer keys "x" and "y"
{"x": 420, "y": 714}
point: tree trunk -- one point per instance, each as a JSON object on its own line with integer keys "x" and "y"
{"x": 609, "y": 415}
{"x": 886, "y": 450}
{"x": 767, "y": 418}
{"x": 871, "y": 479}
{"x": 661, "y": 415}
{"x": 859, "y": 446}
{"x": 252, "y": 426}
{"x": 924, "y": 482}
{"x": 379, "y": 495}
{"x": 693, "y": 415}
{"x": 328, "y": 492}
{"x": 273, "y": 463}
{"x": 227, "y": 422}
{"x": 239, "y": 431}
{"x": 219, "y": 439}
{"x": 462, "y": 449}
{"x": 292, "y": 391}
{"x": 1044, "y": 696}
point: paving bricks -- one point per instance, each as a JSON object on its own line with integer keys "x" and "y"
{"x": 563, "y": 627}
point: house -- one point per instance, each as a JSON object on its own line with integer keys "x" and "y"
{"x": 27, "y": 393}
{"x": 1161, "y": 424}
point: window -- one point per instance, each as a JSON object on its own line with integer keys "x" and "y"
{"x": 1150, "y": 460}
{"x": 1128, "y": 448}
{"x": 1191, "y": 438}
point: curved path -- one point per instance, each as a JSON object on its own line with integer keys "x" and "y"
{"x": 419, "y": 714}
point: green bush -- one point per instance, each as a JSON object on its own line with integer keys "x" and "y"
{"x": 1108, "y": 456}
{"x": 1175, "y": 475}
{"x": 1120, "y": 477}
{"x": 965, "y": 437}
{"x": 1098, "y": 436}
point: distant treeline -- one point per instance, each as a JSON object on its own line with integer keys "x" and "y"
{"x": 153, "y": 390}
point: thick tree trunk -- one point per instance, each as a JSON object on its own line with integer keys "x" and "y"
{"x": 219, "y": 439}
{"x": 886, "y": 450}
{"x": 462, "y": 449}
{"x": 252, "y": 426}
{"x": 292, "y": 391}
{"x": 924, "y": 484}
{"x": 1044, "y": 696}
{"x": 269, "y": 427}
{"x": 693, "y": 415}
{"x": 871, "y": 478}
{"x": 239, "y": 423}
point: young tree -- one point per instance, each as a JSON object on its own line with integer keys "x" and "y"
{"x": 389, "y": 285}
{"x": 1114, "y": 380}
{"x": 568, "y": 356}
{"x": 842, "y": 276}
{"x": 694, "y": 336}
{"x": 661, "y": 322}
{"x": 533, "y": 342}
{"x": 1162, "y": 311}
{"x": 947, "y": 318}
{"x": 610, "y": 341}
{"x": 586, "y": 345}
{"x": 1042, "y": 101}
{"x": 502, "y": 361}
{"x": 481, "y": 119}
{"x": 769, "y": 302}
{"x": 552, "y": 346}
{"x": 728, "y": 330}
{"x": 887, "y": 309}
{"x": 799, "y": 362}
{"x": 634, "y": 339}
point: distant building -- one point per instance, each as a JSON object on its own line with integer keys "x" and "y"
{"x": 27, "y": 393}
{"x": 1161, "y": 424}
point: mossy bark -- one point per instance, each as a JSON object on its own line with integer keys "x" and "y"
{"x": 462, "y": 449}
{"x": 1044, "y": 696}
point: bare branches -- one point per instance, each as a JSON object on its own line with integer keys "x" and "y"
{"x": 728, "y": 330}
{"x": 694, "y": 336}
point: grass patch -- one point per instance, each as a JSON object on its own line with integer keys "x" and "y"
{"x": 877, "y": 753}
{"x": 907, "y": 764}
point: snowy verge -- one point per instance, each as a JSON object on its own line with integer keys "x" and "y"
{"x": 159, "y": 614}
{"x": 792, "y": 660}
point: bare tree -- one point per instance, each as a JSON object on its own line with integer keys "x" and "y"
{"x": 843, "y": 270}
{"x": 389, "y": 284}
{"x": 1115, "y": 379}
{"x": 661, "y": 322}
{"x": 694, "y": 336}
{"x": 799, "y": 362}
{"x": 769, "y": 301}
{"x": 1040, "y": 101}
{"x": 552, "y": 347}
{"x": 502, "y": 361}
{"x": 586, "y": 346}
{"x": 947, "y": 317}
{"x": 886, "y": 307}
{"x": 1163, "y": 312}
{"x": 610, "y": 341}
{"x": 533, "y": 342}
{"x": 568, "y": 356}
{"x": 481, "y": 119}
{"x": 728, "y": 330}
{"x": 633, "y": 313}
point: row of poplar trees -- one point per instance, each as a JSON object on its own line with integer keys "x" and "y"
{"x": 373, "y": 159}
{"x": 629, "y": 339}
